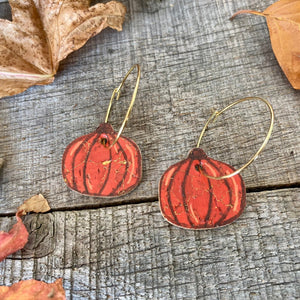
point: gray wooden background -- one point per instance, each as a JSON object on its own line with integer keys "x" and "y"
{"x": 193, "y": 59}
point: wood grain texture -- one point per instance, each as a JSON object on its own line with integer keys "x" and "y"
{"x": 193, "y": 59}
{"x": 130, "y": 252}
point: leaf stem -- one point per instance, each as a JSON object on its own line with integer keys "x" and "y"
{"x": 253, "y": 12}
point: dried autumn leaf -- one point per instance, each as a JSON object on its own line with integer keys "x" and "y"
{"x": 34, "y": 290}
{"x": 42, "y": 33}
{"x": 17, "y": 237}
{"x": 13, "y": 240}
{"x": 36, "y": 204}
{"x": 1, "y": 162}
{"x": 283, "y": 19}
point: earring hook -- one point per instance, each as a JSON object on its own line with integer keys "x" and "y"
{"x": 116, "y": 95}
{"x": 213, "y": 117}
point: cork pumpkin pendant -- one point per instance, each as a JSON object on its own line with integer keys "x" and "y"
{"x": 92, "y": 167}
{"x": 189, "y": 199}
{"x": 104, "y": 163}
{"x": 200, "y": 192}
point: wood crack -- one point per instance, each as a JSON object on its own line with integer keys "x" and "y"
{"x": 152, "y": 199}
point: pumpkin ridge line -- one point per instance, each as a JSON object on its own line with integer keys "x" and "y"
{"x": 230, "y": 193}
{"x": 74, "y": 158}
{"x": 242, "y": 207}
{"x": 229, "y": 190}
{"x": 107, "y": 175}
{"x": 140, "y": 162}
{"x": 169, "y": 193}
{"x": 126, "y": 170}
{"x": 243, "y": 204}
{"x": 210, "y": 203}
{"x": 241, "y": 185}
{"x": 243, "y": 198}
{"x": 186, "y": 208}
{"x": 160, "y": 198}
{"x": 86, "y": 161}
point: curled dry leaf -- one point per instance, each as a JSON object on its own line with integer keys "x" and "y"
{"x": 17, "y": 237}
{"x": 34, "y": 290}
{"x": 283, "y": 19}
{"x": 13, "y": 240}
{"x": 42, "y": 33}
{"x": 36, "y": 204}
{"x": 1, "y": 162}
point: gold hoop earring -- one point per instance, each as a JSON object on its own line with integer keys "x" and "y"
{"x": 104, "y": 163}
{"x": 199, "y": 192}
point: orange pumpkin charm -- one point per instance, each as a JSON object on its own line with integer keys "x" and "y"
{"x": 104, "y": 163}
{"x": 191, "y": 200}
{"x": 91, "y": 167}
{"x": 200, "y": 192}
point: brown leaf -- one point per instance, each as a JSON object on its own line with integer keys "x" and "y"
{"x": 13, "y": 240}
{"x": 34, "y": 290}
{"x": 36, "y": 204}
{"x": 1, "y": 162}
{"x": 42, "y": 33}
{"x": 283, "y": 19}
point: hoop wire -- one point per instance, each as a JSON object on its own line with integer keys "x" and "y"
{"x": 213, "y": 117}
{"x": 116, "y": 95}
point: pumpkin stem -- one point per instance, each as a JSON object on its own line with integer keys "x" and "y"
{"x": 105, "y": 128}
{"x": 197, "y": 153}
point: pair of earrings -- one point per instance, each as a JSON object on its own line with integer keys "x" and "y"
{"x": 195, "y": 193}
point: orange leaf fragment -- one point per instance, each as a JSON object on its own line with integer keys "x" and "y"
{"x": 17, "y": 237}
{"x": 34, "y": 290}
{"x": 42, "y": 33}
{"x": 283, "y": 19}
{"x": 13, "y": 240}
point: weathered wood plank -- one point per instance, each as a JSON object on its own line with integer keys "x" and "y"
{"x": 193, "y": 59}
{"x": 130, "y": 252}
{"x": 42, "y": 235}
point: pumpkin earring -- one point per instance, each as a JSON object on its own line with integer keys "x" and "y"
{"x": 104, "y": 163}
{"x": 199, "y": 192}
